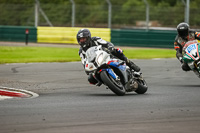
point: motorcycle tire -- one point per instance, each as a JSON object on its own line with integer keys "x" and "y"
{"x": 113, "y": 85}
{"x": 142, "y": 86}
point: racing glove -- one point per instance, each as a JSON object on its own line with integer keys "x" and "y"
{"x": 119, "y": 50}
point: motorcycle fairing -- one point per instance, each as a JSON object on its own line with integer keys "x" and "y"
{"x": 121, "y": 68}
{"x": 191, "y": 53}
{"x": 116, "y": 64}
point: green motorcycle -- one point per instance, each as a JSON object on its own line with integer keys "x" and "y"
{"x": 191, "y": 52}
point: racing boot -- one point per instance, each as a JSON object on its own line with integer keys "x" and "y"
{"x": 132, "y": 65}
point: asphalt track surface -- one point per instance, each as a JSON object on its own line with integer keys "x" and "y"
{"x": 68, "y": 104}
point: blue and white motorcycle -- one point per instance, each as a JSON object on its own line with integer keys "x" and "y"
{"x": 113, "y": 73}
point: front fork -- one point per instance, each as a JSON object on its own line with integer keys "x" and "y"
{"x": 111, "y": 73}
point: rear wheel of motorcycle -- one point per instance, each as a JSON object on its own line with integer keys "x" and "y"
{"x": 142, "y": 86}
{"x": 114, "y": 86}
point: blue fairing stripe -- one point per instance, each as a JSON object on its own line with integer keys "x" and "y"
{"x": 115, "y": 63}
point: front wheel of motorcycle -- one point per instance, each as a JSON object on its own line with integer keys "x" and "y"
{"x": 114, "y": 85}
{"x": 142, "y": 86}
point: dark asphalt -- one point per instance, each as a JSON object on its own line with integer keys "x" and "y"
{"x": 68, "y": 104}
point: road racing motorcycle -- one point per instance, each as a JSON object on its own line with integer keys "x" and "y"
{"x": 113, "y": 73}
{"x": 191, "y": 52}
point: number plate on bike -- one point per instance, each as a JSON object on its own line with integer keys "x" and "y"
{"x": 191, "y": 48}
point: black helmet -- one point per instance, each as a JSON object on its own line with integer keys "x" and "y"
{"x": 183, "y": 30}
{"x": 84, "y": 33}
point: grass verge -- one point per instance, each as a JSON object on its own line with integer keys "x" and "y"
{"x": 13, "y": 54}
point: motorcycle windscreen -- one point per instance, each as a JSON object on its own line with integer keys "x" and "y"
{"x": 91, "y": 54}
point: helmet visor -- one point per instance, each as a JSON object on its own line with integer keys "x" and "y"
{"x": 183, "y": 33}
{"x": 83, "y": 41}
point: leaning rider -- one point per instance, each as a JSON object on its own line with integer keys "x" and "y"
{"x": 184, "y": 35}
{"x": 86, "y": 41}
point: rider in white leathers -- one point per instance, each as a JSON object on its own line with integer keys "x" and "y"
{"x": 86, "y": 41}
